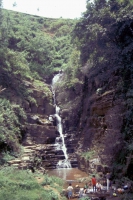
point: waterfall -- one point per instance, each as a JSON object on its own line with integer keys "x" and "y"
{"x": 60, "y": 142}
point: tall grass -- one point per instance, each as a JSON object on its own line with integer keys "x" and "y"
{"x": 21, "y": 185}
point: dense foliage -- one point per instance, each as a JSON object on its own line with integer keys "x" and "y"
{"x": 104, "y": 37}
{"x": 23, "y": 185}
{"x": 42, "y": 44}
{"x": 11, "y": 119}
{"x": 32, "y": 49}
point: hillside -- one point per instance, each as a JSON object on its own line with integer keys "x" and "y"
{"x": 32, "y": 50}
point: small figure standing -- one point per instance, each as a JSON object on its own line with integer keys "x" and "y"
{"x": 126, "y": 187}
{"x": 108, "y": 176}
{"x": 86, "y": 187}
{"x": 70, "y": 191}
{"x": 93, "y": 180}
{"x": 104, "y": 185}
{"x": 98, "y": 186}
{"x": 81, "y": 192}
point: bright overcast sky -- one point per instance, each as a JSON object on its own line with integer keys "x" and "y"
{"x": 48, "y": 8}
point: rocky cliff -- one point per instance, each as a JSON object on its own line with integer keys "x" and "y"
{"x": 93, "y": 116}
{"x": 100, "y": 128}
{"x": 96, "y": 112}
{"x": 39, "y": 132}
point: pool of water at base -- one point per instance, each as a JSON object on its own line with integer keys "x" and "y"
{"x": 69, "y": 175}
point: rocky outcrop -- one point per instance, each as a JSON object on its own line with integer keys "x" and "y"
{"x": 38, "y": 130}
{"x": 100, "y": 127}
{"x": 39, "y": 148}
{"x": 96, "y": 112}
{"x": 92, "y": 118}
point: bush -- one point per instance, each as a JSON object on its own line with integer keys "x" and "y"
{"x": 11, "y": 118}
{"x": 88, "y": 155}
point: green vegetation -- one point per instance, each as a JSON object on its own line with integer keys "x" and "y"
{"x": 37, "y": 47}
{"x": 22, "y": 185}
{"x": 104, "y": 38}
{"x": 32, "y": 50}
{"x": 11, "y": 119}
{"x": 72, "y": 72}
{"x": 88, "y": 155}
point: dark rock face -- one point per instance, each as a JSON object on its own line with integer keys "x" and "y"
{"x": 96, "y": 114}
{"x": 100, "y": 124}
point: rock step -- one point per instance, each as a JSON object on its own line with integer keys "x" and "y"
{"x": 33, "y": 146}
{"x": 71, "y": 146}
{"x": 50, "y": 167}
{"x": 74, "y": 165}
{"x": 29, "y": 150}
{"x": 53, "y": 158}
{"x": 14, "y": 161}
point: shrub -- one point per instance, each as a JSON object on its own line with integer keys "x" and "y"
{"x": 11, "y": 119}
{"x": 88, "y": 155}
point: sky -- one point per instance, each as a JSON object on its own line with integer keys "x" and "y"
{"x": 48, "y": 8}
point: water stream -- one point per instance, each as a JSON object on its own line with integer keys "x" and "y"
{"x": 60, "y": 142}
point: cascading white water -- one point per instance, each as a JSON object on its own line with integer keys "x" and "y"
{"x": 60, "y": 143}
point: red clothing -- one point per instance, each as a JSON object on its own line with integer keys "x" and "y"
{"x": 93, "y": 180}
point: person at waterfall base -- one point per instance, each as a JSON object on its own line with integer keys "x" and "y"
{"x": 93, "y": 180}
{"x": 86, "y": 187}
{"x": 108, "y": 178}
{"x": 70, "y": 191}
{"x": 98, "y": 186}
{"x": 81, "y": 192}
